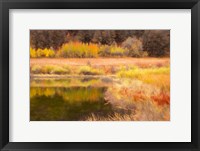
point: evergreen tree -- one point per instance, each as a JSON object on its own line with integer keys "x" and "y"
{"x": 157, "y": 42}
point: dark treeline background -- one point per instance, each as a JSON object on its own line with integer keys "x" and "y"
{"x": 155, "y": 42}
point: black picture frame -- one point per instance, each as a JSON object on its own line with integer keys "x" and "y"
{"x": 5, "y": 5}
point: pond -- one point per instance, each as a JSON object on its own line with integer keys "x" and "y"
{"x": 68, "y": 99}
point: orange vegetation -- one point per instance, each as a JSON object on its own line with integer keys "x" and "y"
{"x": 140, "y": 62}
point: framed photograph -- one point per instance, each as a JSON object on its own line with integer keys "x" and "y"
{"x": 99, "y": 75}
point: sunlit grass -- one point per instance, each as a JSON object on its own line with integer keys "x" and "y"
{"x": 136, "y": 72}
{"x": 87, "y": 70}
{"x": 156, "y": 76}
{"x": 145, "y": 102}
{"x": 49, "y": 69}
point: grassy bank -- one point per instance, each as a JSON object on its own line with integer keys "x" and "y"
{"x": 123, "y": 67}
{"x": 156, "y": 75}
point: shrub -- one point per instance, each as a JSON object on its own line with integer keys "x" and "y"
{"x": 36, "y": 69}
{"x": 84, "y": 50}
{"x": 144, "y": 54}
{"x": 45, "y": 53}
{"x": 113, "y": 50}
{"x": 39, "y": 53}
{"x": 33, "y": 53}
{"x": 48, "y": 53}
{"x": 60, "y": 70}
{"x": 86, "y": 70}
{"x": 104, "y": 51}
{"x": 49, "y": 69}
{"x": 118, "y": 51}
{"x": 79, "y": 50}
{"x": 135, "y": 47}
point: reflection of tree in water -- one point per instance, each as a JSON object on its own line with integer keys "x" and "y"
{"x": 67, "y": 103}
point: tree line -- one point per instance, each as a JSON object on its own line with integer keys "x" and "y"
{"x": 154, "y": 42}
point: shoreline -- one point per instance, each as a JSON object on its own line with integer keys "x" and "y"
{"x": 45, "y": 76}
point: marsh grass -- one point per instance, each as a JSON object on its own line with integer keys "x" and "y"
{"x": 49, "y": 69}
{"x": 135, "y": 72}
{"x": 87, "y": 70}
{"x": 159, "y": 76}
{"x": 144, "y": 102}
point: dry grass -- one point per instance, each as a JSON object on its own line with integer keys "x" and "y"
{"x": 49, "y": 69}
{"x": 98, "y": 66}
{"x": 159, "y": 76}
{"x": 143, "y": 102}
{"x": 111, "y": 117}
{"x": 140, "y": 62}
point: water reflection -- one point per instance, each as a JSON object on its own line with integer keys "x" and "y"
{"x": 64, "y": 100}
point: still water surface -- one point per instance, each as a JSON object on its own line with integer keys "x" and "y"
{"x": 68, "y": 99}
